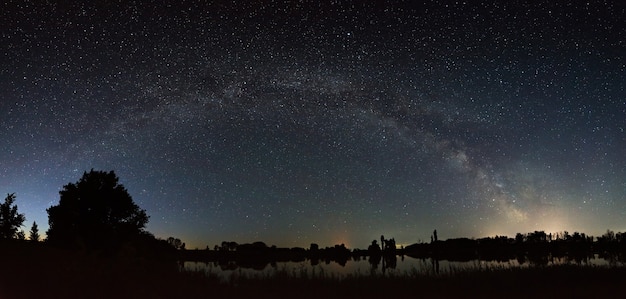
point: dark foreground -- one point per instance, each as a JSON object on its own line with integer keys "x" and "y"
{"x": 39, "y": 272}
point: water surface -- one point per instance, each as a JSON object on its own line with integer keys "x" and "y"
{"x": 403, "y": 266}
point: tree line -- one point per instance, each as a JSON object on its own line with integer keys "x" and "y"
{"x": 11, "y": 220}
{"x": 96, "y": 213}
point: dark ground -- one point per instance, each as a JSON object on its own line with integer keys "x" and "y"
{"x": 36, "y": 271}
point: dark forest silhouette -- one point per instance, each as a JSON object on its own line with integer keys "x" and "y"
{"x": 96, "y": 226}
{"x": 97, "y": 213}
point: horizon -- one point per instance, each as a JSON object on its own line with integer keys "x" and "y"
{"x": 194, "y": 246}
{"x": 295, "y": 124}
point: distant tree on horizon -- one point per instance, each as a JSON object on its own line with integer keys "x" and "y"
{"x": 609, "y": 235}
{"x": 176, "y": 243}
{"x": 34, "y": 232}
{"x": 374, "y": 248}
{"x": 519, "y": 238}
{"x": 96, "y": 211}
{"x": 10, "y": 219}
{"x": 229, "y": 246}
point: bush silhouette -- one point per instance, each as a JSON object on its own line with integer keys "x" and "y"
{"x": 96, "y": 212}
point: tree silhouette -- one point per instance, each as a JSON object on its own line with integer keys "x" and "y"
{"x": 176, "y": 243}
{"x": 374, "y": 248}
{"x": 34, "y": 232}
{"x": 96, "y": 211}
{"x": 10, "y": 219}
{"x": 609, "y": 235}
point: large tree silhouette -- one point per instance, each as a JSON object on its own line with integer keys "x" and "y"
{"x": 10, "y": 219}
{"x": 96, "y": 211}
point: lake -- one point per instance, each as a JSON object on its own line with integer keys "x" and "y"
{"x": 402, "y": 266}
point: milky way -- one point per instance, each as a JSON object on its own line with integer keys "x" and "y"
{"x": 329, "y": 123}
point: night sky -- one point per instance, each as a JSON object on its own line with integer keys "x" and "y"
{"x": 293, "y": 123}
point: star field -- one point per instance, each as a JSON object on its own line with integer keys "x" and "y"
{"x": 294, "y": 123}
